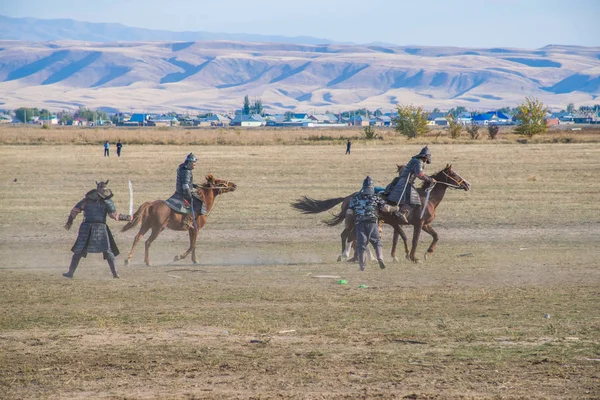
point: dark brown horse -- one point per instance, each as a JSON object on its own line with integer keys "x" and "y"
{"x": 157, "y": 216}
{"x": 446, "y": 178}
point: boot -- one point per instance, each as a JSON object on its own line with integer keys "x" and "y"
{"x": 362, "y": 260}
{"x": 379, "y": 252}
{"x": 113, "y": 268}
{"x": 74, "y": 263}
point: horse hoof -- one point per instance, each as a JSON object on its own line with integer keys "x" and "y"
{"x": 195, "y": 262}
{"x": 395, "y": 259}
{"x": 426, "y": 256}
{"x": 339, "y": 258}
{"x": 127, "y": 262}
{"x": 176, "y": 258}
{"x": 148, "y": 264}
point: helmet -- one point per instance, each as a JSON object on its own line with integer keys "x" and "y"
{"x": 190, "y": 158}
{"x": 102, "y": 190}
{"x": 426, "y": 154}
{"x": 368, "y": 186}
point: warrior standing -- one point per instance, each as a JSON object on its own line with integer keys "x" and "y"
{"x": 366, "y": 205}
{"x": 404, "y": 192}
{"x": 94, "y": 235}
{"x": 183, "y": 199}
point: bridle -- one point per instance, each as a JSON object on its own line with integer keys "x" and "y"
{"x": 220, "y": 187}
{"x": 458, "y": 183}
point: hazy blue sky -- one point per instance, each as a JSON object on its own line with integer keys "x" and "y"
{"x": 472, "y": 23}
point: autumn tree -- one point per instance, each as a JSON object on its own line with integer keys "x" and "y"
{"x": 532, "y": 117}
{"x": 454, "y": 127}
{"x": 411, "y": 121}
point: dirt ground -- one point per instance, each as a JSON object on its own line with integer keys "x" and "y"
{"x": 507, "y": 307}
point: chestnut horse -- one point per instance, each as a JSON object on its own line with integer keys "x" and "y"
{"x": 157, "y": 216}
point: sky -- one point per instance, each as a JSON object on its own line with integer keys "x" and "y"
{"x": 463, "y": 23}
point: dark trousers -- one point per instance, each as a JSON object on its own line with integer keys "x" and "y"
{"x": 106, "y": 153}
{"x": 118, "y": 152}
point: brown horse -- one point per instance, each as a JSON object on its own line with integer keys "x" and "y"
{"x": 157, "y": 216}
{"x": 446, "y": 178}
{"x": 308, "y": 205}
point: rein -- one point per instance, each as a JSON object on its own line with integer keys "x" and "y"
{"x": 457, "y": 186}
{"x": 225, "y": 186}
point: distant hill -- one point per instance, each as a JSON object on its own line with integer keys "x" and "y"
{"x": 43, "y": 30}
{"x": 216, "y": 75}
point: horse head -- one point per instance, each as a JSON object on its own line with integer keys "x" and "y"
{"x": 220, "y": 185}
{"x": 452, "y": 178}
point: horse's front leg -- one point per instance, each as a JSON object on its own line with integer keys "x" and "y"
{"x": 192, "y": 233}
{"x": 427, "y": 228}
{"x": 193, "y": 238}
{"x": 415, "y": 241}
{"x": 345, "y": 247}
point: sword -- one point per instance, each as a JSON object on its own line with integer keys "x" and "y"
{"x": 428, "y": 190}
{"x": 404, "y": 190}
{"x": 130, "y": 199}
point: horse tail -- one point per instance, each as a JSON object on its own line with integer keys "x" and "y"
{"x": 307, "y": 205}
{"x": 341, "y": 216}
{"x": 139, "y": 215}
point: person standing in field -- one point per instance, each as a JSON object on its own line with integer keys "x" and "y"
{"x": 348, "y": 145}
{"x": 94, "y": 235}
{"x": 404, "y": 193}
{"x": 106, "y": 149}
{"x": 366, "y": 206}
{"x": 119, "y": 147}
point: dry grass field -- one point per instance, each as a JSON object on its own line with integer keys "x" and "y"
{"x": 508, "y": 307}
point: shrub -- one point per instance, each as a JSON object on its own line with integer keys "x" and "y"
{"x": 493, "y": 131}
{"x": 45, "y": 126}
{"x": 473, "y": 131}
{"x": 454, "y": 127}
{"x": 369, "y": 133}
{"x": 411, "y": 121}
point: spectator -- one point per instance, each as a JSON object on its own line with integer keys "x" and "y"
{"x": 119, "y": 146}
{"x": 348, "y": 146}
{"x": 106, "y": 149}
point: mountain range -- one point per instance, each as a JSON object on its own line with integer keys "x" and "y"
{"x": 169, "y": 73}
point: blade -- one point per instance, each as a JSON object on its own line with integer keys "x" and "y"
{"x": 425, "y": 205}
{"x": 130, "y": 199}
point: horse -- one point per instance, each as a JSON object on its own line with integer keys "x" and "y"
{"x": 308, "y": 205}
{"x": 446, "y": 178}
{"x": 157, "y": 215}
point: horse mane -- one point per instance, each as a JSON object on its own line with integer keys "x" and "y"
{"x": 437, "y": 176}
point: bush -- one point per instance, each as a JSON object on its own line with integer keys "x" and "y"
{"x": 473, "y": 131}
{"x": 411, "y": 121}
{"x": 369, "y": 133}
{"x": 493, "y": 131}
{"x": 45, "y": 126}
{"x": 454, "y": 127}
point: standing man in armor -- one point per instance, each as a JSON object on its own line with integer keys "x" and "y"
{"x": 94, "y": 235}
{"x": 366, "y": 205}
{"x": 183, "y": 198}
{"x": 404, "y": 192}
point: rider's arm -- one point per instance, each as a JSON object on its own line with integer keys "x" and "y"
{"x": 112, "y": 212}
{"x": 74, "y": 212}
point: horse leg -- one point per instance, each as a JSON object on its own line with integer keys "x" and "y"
{"x": 434, "y": 235}
{"x": 193, "y": 234}
{"x": 155, "y": 232}
{"x": 404, "y": 240}
{"x": 193, "y": 237}
{"x": 136, "y": 240}
{"x": 345, "y": 250}
{"x": 415, "y": 241}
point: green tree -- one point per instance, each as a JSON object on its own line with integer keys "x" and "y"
{"x": 457, "y": 111}
{"x": 246, "y": 107}
{"x": 25, "y": 114}
{"x": 411, "y": 121}
{"x": 571, "y": 108}
{"x": 532, "y": 117}
{"x": 454, "y": 127}
{"x": 257, "y": 108}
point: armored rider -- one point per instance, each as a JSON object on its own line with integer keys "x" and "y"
{"x": 183, "y": 199}
{"x": 404, "y": 192}
{"x": 94, "y": 235}
{"x": 366, "y": 206}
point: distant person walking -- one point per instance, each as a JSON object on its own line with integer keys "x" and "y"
{"x": 106, "y": 149}
{"x": 119, "y": 147}
{"x": 348, "y": 145}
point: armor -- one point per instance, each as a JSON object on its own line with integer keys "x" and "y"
{"x": 366, "y": 207}
{"x": 404, "y": 192}
{"x": 94, "y": 235}
{"x": 183, "y": 189}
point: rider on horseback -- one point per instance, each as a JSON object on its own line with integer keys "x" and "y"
{"x": 183, "y": 199}
{"x": 404, "y": 192}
